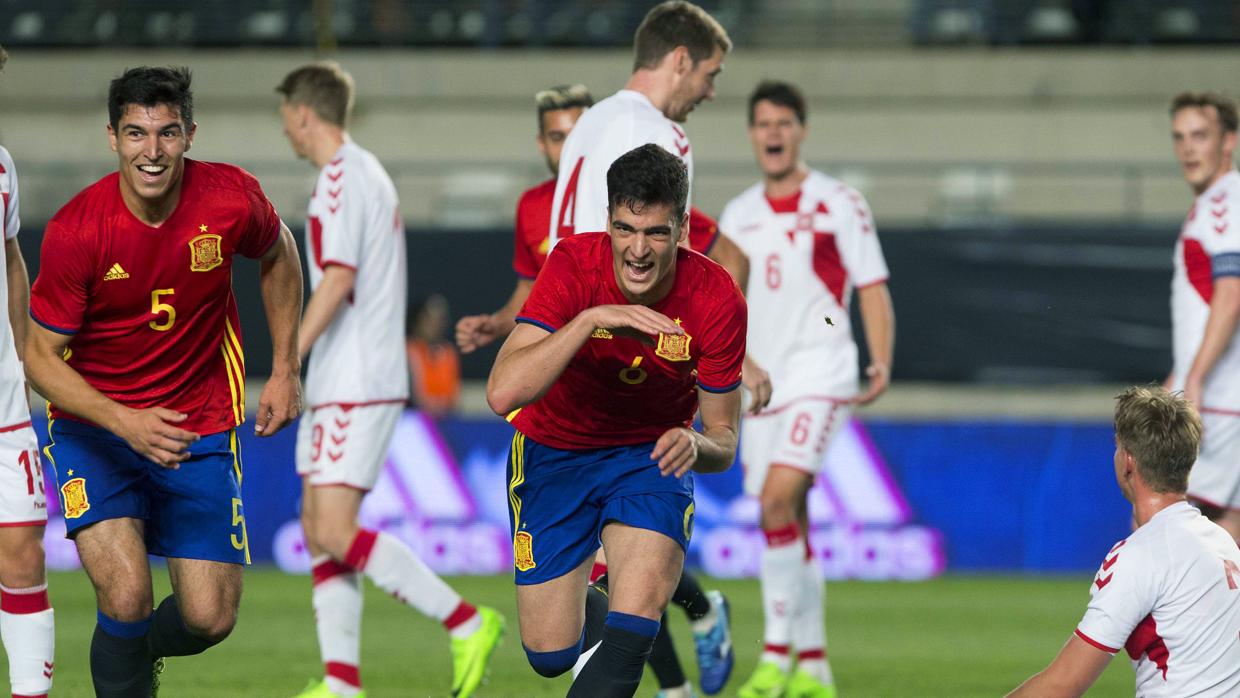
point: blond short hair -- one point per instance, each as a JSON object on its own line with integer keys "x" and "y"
{"x": 1223, "y": 105}
{"x": 325, "y": 87}
{"x": 1162, "y": 432}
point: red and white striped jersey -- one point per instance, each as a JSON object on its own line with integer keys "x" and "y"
{"x": 1169, "y": 595}
{"x": 13, "y": 406}
{"x": 609, "y": 129}
{"x": 1208, "y": 248}
{"x": 806, "y": 255}
{"x": 355, "y": 222}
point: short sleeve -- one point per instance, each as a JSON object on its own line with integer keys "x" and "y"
{"x": 261, "y": 226}
{"x": 12, "y": 221}
{"x": 1123, "y": 593}
{"x": 1224, "y": 241}
{"x": 859, "y": 247}
{"x": 723, "y": 342}
{"x": 558, "y": 294}
{"x": 59, "y": 294}
{"x": 524, "y": 257}
{"x": 703, "y": 231}
{"x": 343, "y": 221}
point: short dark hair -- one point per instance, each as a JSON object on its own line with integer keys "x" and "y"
{"x": 149, "y": 86}
{"x": 561, "y": 97}
{"x": 648, "y": 175}
{"x": 325, "y": 87}
{"x": 677, "y": 23}
{"x": 1224, "y": 106}
{"x": 1162, "y": 432}
{"x": 785, "y": 94}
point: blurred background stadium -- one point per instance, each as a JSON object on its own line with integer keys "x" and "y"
{"x": 1015, "y": 153}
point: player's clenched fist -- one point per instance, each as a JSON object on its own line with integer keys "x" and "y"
{"x": 474, "y": 332}
{"x": 635, "y": 317}
{"x": 151, "y": 432}
{"x": 676, "y": 451}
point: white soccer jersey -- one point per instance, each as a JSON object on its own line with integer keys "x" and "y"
{"x": 14, "y": 409}
{"x": 609, "y": 129}
{"x": 806, "y": 255}
{"x": 1208, "y": 248}
{"x": 1169, "y": 595}
{"x": 355, "y": 222}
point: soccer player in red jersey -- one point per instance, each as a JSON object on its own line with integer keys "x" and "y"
{"x": 623, "y": 337}
{"x": 135, "y": 342}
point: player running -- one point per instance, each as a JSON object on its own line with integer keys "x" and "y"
{"x": 135, "y": 341}
{"x": 1205, "y": 298}
{"x": 26, "y": 618}
{"x": 659, "y": 329}
{"x": 1169, "y": 594}
{"x": 356, "y": 242}
{"x": 815, "y": 242}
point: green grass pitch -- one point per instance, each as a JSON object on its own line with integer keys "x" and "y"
{"x": 955, "y": 636}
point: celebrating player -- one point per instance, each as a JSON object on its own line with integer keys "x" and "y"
{"x": 1205, "y": 298}
{"x": 1169, "y": 594}
{"x": 815, "y": 241}
{"x": 658, "y": 330}
{"x": 135, "y": 341}
{"x": 356, "y": 242}
{"x": 26, "y": 625}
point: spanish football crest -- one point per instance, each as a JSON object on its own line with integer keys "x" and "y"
{"x": 523, "y": 551}
{"x": 204, "y": 252}
{"x": 673, "y": 347}
{"x": 74, "y": 493}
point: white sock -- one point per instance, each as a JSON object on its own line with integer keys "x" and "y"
{"x": 809, "y": 634}
{"x": 394, "y": 568}
{"x": 781, "y": 582}
{"x": 28, "y": 632}
{"x": 338, "y": 618}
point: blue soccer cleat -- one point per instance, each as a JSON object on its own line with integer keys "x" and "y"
{"x": 714, "y": 647}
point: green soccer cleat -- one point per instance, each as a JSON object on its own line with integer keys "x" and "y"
{"x": 470, "y": 655}
{"x": 767, "y": 681}
{"x": 157, "y": 670}
{"x": 802, "y": 685}
{"x": 320, "y": 689}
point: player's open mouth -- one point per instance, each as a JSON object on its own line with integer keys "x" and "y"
{"x": 152, "y": 173}
{"x": 774, "y": 149}
{"x": 638, "y": 271}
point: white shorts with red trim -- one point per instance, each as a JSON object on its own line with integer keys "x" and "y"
{"x": 23, "y": 501}
{"x": 795, "y": 435}
{"x": 345, "y": 445}
{"x": 1215, "y": 477}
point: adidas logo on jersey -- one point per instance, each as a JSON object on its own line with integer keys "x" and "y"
{"x": 116, "y": 272}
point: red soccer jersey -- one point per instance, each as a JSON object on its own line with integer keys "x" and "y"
{"x": 618, "y": 390}
{"x": 703, "y": 231}
{"x": 533, "y": 221}
{"x": 151, "y": 310}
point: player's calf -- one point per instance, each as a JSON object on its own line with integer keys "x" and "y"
{"x": 615, "y": 670}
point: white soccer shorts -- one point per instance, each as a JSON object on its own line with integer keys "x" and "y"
{"x": 794, "y": 435}
{"x": 345, "y": 445}
{"x": 1215, "y": 478}
{"x": 23, "y": 501}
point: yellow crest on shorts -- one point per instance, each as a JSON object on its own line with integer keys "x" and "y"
{"x": 74, "y": 493}
{"x": 673, "y": 347}
{"x": 204, "y": 252}
{"x": 523, "y": 551}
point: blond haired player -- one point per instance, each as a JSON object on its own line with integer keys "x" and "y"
{"x": 26, "y": 619}
{"x": 813, "y": 241}
{"x": 1169, "y": 594}
{"x": 356, "y": 244}
{"x": 1205, "y": 298}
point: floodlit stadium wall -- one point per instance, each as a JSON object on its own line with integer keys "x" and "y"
{"x": 897, "y": 500}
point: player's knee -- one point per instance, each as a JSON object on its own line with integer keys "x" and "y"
{"x": 554, "y": 663}
{"x": 210, "y": 626}
{"x": 23, "y": 564}
{"x": 778, "y": 510}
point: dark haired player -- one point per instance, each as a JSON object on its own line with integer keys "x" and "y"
{"x": 628, "y": 333}
{"x": 136, "y": 343}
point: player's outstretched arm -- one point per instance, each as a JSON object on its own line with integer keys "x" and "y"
{"x": 879, "y": 318}
{"x": 710, "y": 451}
{"x": 532, "y": 359}
{"x": 280, "y": 280}
{"x": 151, "y": 432}
{"x": 1219, "y": 333}
{"x": 476, "y": 331}
{"x": 1074, "y": 670}
{"x": 324, "y": 303}
{"x": 19, "y": 293}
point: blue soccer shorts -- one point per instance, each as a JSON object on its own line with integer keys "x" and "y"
{"x": 559, "y": 501}
{"x": 192, "y": 512}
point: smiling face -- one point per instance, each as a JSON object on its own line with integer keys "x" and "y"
{"x": 1202, "y": 147}
{"x": 643, "y": 247}
{"x": 150, "y": 143}
{"x": 696, "y": 83}
{"x": 776, "y": 134}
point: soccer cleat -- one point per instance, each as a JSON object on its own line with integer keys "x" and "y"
{"x": 714, "y": 648}
{"x": 320, "y": 689}
{"x": 157, "y": 670}
{"x": 767, "y": 681}
{"x": 685, "y": 691}
{"x": 471, "y": 654}
{"x": 802, "y": 685}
